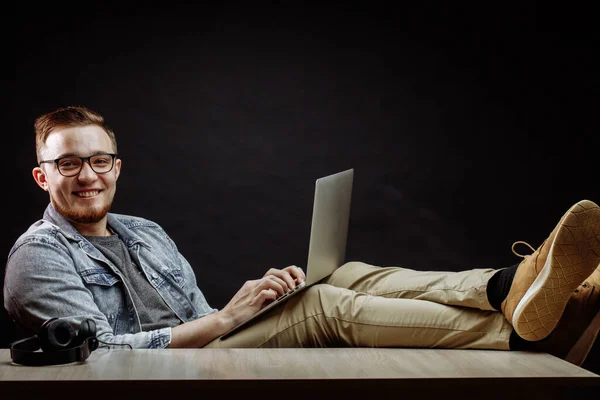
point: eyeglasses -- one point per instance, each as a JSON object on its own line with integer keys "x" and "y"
{"x": 71, "y": 165}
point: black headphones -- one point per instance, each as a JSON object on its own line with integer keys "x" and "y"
{"x": 59, "y": 342}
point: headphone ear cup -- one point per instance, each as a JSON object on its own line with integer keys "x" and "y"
{"x": 56, "y": 334}
{"x": 87, "y": 330}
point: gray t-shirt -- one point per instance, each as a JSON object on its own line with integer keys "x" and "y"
{"x": 153, "y": 311}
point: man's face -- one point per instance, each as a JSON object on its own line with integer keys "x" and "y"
{"x": 87, "y": 197}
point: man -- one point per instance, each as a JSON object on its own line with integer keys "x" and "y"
{"x": 82, "y": 262}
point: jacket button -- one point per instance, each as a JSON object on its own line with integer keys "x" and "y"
{"x": 189, "y": 313}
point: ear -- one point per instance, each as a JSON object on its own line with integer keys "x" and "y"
{"x": 40, "y": 178}
{"x": 117, "y": 168}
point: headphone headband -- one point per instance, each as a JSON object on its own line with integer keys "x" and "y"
{"x": 21, "y": 354}
{"x": 58, "y": 342}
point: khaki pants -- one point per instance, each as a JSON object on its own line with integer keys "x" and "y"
{"x": 361, "y": 305}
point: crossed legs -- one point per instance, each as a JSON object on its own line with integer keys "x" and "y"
{"x": 369, "y": 306}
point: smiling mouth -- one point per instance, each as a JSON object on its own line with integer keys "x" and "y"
{"x": 89, "y": 193}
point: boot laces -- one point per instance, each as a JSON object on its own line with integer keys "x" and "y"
{"x": 521, "y": 242}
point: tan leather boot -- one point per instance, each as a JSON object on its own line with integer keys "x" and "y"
{"x": 545, "y": 280}
{"x": 578, "y": 328}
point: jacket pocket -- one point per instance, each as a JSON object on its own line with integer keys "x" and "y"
{"x": 98, "y": 277}
{"x": 177, "y": 276}
{"x": 109, "y": 296}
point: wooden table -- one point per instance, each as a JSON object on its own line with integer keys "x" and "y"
{"x": 302, "y": 373}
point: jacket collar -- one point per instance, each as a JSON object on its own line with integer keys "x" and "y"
{"x": 114, "y": 221}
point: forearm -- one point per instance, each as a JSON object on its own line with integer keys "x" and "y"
{"x": 253, "y": 295}
{"x": 201, "y": 331}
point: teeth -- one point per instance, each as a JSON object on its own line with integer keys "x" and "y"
{"x": 87, "y": 194}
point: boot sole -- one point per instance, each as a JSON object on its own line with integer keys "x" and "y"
{"x": 567, "y": 266}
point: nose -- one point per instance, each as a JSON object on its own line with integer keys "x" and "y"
{"x": 86, "y": 173}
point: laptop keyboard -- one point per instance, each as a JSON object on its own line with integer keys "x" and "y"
{"x": 291, "y": 291}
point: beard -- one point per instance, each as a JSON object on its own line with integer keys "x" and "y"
{"x": 84, "y": 217}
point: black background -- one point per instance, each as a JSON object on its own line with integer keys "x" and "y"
{"x": 468, "y": 127}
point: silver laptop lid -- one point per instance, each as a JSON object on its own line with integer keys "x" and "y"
{"x": 329, "y": 229}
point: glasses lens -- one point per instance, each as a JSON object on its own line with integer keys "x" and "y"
{"x": 69, "y": 166}
{"x": 101, "y": 163}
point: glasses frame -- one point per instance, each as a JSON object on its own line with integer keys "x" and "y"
{"x": 83, "y": 160}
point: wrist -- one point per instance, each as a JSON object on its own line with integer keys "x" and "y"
{"x": 224, "y": 321}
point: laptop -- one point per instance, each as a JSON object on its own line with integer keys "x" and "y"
{"x": 328, "y": 235}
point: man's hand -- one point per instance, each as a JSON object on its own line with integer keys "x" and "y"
{"x": 252, "y": 296}
{"x": 255, "y": 294}
{"x": 291, "y": 275}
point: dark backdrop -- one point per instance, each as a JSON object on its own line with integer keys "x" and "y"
{"x": 468, "y": 128}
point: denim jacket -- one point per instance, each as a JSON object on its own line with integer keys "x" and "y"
{"x": 53, "y": 271}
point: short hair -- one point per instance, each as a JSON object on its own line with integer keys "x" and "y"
{"x": 66, "y": 117}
